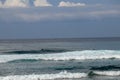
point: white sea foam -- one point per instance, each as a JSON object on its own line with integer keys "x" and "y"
{"x": 74, "y": 55}
{"x": 61, "y": 75}
{"x": 107, "y": 73}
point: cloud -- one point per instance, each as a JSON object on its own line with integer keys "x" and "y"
{"x": 38, "y": 3}
{"x": 70, "y": 4}
{"x": 24, "y": 3}
{"x": 16, "y": 3}
{"x": 1, "y": 4}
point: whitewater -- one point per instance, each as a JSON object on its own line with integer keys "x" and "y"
{"x": 60, "y": 75}
{"x": 73, "y": 55}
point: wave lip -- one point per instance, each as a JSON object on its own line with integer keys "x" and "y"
{"x": 61, "y": 75}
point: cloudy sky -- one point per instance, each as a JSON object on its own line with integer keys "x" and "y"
{"x": 21, "y": 19}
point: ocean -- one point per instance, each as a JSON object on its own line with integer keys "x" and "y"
{"x": 60, "y": 59}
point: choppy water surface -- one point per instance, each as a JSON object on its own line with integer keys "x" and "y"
{"x": 61, "y": 59}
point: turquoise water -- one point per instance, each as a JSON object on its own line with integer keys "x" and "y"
{"x": 61, "y": 59}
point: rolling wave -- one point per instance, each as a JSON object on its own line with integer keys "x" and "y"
{"x": 61, "y": 75}
{"x": 106, "y": 73}
{"x": 73, "y": 55}
{"x": 109, "y": 67}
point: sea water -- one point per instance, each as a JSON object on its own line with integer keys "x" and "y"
{"x": 60, "y": 59}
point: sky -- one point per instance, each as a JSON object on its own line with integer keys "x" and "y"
{"x": 29, "y": 19}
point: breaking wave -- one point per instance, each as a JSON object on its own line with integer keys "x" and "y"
{"x": 61, "y": 75}
{"x": 105, "y": 73}
{"x": 73, "y": 55}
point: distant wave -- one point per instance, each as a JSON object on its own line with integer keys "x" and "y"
{"x": 73, "y": 55}
{"x": 41, "y": 51}
{"x": 61, "y": 75}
